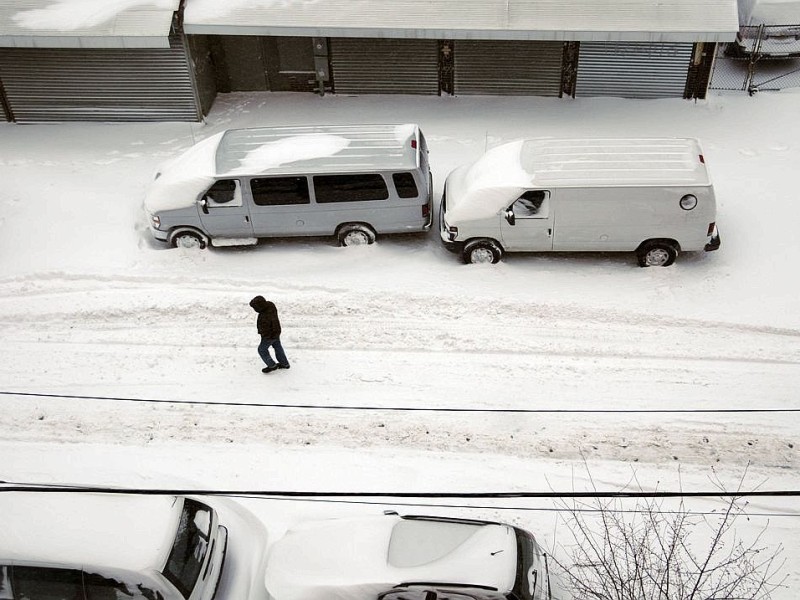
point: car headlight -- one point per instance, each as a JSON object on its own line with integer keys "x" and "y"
{"x": 156, "y": 221}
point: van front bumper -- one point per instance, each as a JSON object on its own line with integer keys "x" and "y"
{"x": 161, "y": 236}
{"x": 714, "y": 243}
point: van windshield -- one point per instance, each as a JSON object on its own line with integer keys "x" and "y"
{"x": 190, "y": 547}
{"x": 529, "y": 578}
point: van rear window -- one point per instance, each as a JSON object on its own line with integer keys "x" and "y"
{"x": 279, "y": 191}
{"x": 350, "y": 188}
{"x": 405, "y": 185}
{"x": 190, "y": 547}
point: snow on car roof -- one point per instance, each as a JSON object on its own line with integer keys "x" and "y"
{"x": 281, "y": 151}
{"x": 83, "y": 530}
{"x": 356, "y": 559}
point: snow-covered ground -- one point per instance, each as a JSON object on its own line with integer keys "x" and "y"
{"x": 91, "y": 306}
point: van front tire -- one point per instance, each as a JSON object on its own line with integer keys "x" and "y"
{"x": 189, "y": 239}
{"x": 482, "y": 252}
{"x": 657, "y": 254}
{"x": 355, "y": 235}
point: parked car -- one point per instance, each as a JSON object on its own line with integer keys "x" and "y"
{"x": 653, "y": 197}
{"x": 353, "y": 182}
{"x": 393, "y": 557}
{"x": 81, "y": 546}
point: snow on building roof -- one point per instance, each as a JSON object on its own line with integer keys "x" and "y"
{"x": 577, "y": 20}
{"x": 81, "y": 530}
{"x": 86, "y": 23}
{"x": 356, "y": 559}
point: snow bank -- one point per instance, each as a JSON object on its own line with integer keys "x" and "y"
{"x": 66, "y": 15}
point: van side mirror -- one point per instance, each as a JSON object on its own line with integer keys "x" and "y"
{"x": 510, "y": 217}
{"x": 203, "y": 204}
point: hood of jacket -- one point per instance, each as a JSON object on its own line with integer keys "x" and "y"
{"x": 262, "y": 305}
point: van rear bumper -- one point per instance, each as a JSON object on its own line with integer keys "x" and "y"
{"x": 714, "y": 243}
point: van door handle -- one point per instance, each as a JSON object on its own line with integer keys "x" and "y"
{"x": 549, "y": 232}
{"x": 247, "y": 218}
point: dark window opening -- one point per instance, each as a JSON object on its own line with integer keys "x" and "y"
{"x": 224, "y": 192}
{"x": 278, "y": 191}
{"x": 34, "y": 583}
{"x": 405, "y": 185}
{"x": 350, "y": 188}
{"x": 295, "y": 54}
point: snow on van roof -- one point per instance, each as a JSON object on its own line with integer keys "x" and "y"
{"x": 356, "y": 559}
{"x": 505, "y": 170}
{"x": 88, "y": 530}
{"x": 282, "y": 151}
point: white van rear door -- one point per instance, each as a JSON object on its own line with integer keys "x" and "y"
{"x": 527, "y": 225}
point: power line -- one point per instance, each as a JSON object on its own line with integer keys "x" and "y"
{"x": 18, "y": 487}
{"x": 409, "y": 408}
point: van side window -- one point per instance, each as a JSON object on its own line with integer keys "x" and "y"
{"x": 278, "y": 191}
{"x": 6, "y": 592}
{"x": 103, "y": 588}
{"x": 405, "y": 185}
{"x": 225, "y": 192}
{"x": 533, "y": 204}
{"x": 35, "y": 583}
{"x": 350, "y": 188}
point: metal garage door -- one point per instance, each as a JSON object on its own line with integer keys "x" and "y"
{"x": 55, "y": 84}
{"x": 508, "y": 67}
{"x": 383, "y": 66}
{"x": 633, "y": 69}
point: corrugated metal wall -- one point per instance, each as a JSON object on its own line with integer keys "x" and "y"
{"x": 384, "y": 66}
{"x": 45, "y": 84}
{"x": 508, "y": 67}
{"x": 633, "y": 70}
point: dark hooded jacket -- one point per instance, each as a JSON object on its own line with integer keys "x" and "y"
{"x": 269, "y": 326}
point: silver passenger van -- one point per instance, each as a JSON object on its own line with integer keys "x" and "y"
{"x": 85, "y": 546}
{"x": 653, "y": 197}
{"x": 353, "y": 182}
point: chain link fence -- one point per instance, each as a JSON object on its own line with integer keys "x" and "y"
{"x": 763, "y": 57}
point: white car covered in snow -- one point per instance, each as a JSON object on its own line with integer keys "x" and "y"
{"x": 393, "y": 557}
{"x": 108, "y": 546}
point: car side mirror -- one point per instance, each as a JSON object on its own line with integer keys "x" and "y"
{"x": 204, "y": 205}
{"x": 510, "y": 217}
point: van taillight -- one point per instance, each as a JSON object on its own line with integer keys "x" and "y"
{"x": 414, "y": 144}
{"x": 711, "y": 228}
{"x": 426, "y": 210}
{"x": 702, "y": 160}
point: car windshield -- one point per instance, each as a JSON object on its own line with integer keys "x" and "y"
{"x": 528, "y": 578}
{"x": 189, "y": 548}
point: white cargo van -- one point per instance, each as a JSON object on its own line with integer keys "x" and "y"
{"x": 351, "y": 181}
{"x": 648, "y": 196}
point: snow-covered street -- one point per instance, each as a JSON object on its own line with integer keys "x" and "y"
{"x": 91, "y": 306}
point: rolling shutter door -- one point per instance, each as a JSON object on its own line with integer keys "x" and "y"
{"x": 384, "y": 66}
{"x": 633, "y": 70}
{"x": 59, "y": 84}
{"x": 520, "y": 68}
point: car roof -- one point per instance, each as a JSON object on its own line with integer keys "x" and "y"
{"x": 317, "y": 149}
{"x": 356, "y": 559}
{"x": 82, "y": 530}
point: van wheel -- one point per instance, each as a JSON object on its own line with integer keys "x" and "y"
{"x": 189, "y": 239}
{"x": 482, "y": 251}
{"x": 356, "y": 235}
{"x": 657, "y": 254}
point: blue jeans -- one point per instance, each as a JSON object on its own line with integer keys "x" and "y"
{"x": 263, "y": 352}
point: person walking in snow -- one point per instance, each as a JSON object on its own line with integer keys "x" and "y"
{"x": 269, "y": 328}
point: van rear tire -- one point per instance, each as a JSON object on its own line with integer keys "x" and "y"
{"x": 482, "y": 252}
{"x": 657, "y": 254}
{"x": 356, "y": 235}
